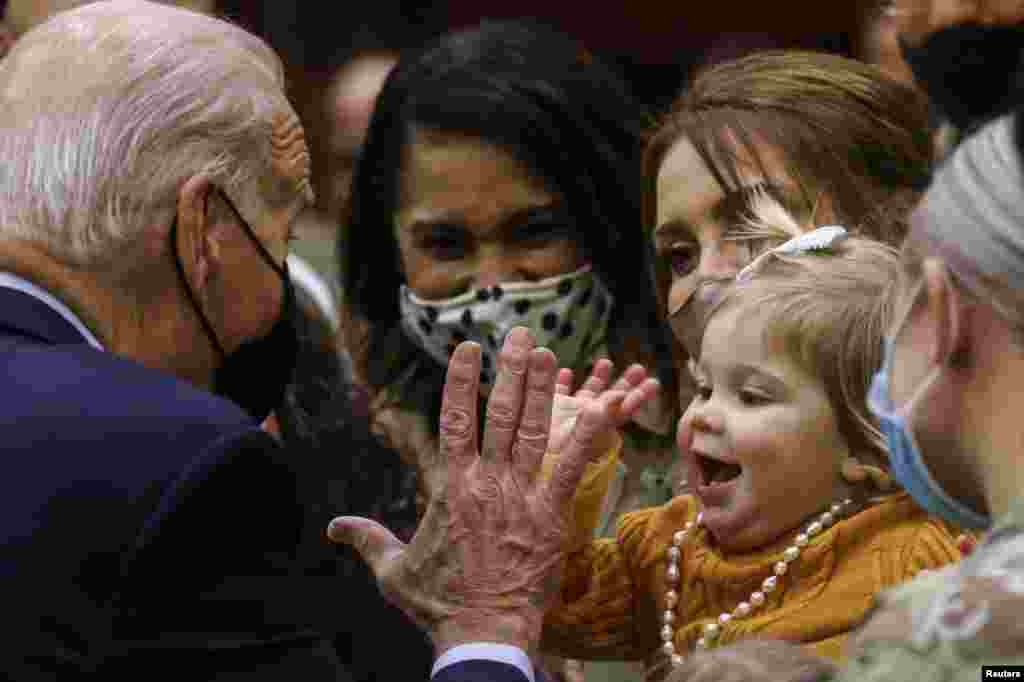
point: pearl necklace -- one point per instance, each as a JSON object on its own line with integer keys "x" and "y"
{"x": 756, "y": 599}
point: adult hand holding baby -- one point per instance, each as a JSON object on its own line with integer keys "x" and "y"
{"x": 483, "y": 563}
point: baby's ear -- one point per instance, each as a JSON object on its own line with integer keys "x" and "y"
{"x": 856, "y": 472}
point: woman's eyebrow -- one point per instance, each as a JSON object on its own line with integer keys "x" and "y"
{"x": 554, "y": 212}
{"x": 512, "y": 221}
{"x": 426, "y": 227}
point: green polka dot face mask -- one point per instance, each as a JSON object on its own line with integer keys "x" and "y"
{"x": 568, "y": 314}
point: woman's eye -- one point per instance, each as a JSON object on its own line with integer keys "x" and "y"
{"x": 682, "y": 259}
{"x": 444, "y": 246}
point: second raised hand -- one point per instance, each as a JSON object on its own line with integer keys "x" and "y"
{"x": 634, "y": 383}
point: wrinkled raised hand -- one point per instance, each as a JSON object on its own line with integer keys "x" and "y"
{"x": 484, "y": 563}
{"x": 916, "y": 19}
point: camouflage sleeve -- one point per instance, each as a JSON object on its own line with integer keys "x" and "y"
{"x": 947, "y": 624}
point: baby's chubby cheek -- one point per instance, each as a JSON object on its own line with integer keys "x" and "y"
{"x": 684, "y": 438}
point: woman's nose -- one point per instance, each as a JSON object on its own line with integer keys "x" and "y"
{"x": 690, "y": 296}
{"x": 722, "y": 260}
{"x": 494, "y": 267}
{"x": 689, "y": 321}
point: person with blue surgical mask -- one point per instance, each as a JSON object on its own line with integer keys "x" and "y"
{"x": 908, "y": 464}
{"x": 947, "y": 398}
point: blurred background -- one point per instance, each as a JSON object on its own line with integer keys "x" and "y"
{"x": 655, "y": 44}
{"x": 337, "y": 53}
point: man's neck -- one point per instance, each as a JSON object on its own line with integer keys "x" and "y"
{"x": 1001, "y": 467}
{"x": 148, "y": 332}
{"x": 999, "y": 439}
{"x": 84, "y": 299}
{"x": 1004, "y": 481}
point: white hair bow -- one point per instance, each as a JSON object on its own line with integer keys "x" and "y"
{"x": 820, "y": 239}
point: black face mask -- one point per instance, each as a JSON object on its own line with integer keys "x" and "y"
{"x": 256, "y": 374}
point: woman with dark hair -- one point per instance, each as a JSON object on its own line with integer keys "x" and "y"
{"x": 834, "y": 140}
{"x": 499, "y": 186}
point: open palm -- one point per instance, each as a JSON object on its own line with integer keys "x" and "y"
{"x": 567, "y": 406}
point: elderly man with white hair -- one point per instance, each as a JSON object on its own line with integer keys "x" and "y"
{"x": 152, "y": 170}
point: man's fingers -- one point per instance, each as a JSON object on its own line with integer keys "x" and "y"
{"x": 535, "y": 424}
{"x": 563, "y": 385}
{"x": 583, "y": 446}
{"x": 382, "y": 550}
{"x": 375, "y": 543}
{"x": 506, "y": 400}
{"x": 458, "y": 426}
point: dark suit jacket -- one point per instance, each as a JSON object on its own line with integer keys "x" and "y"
{"x": 480, "y": 671}
{"x": 147, "y": 527}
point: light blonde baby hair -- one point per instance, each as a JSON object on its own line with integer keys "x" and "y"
{"x": 828, "y": 310}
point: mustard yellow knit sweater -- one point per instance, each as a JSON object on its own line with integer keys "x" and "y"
{"x": 613, "y": 590}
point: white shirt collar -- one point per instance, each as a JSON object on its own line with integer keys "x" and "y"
{"x": 488, "y": 651}
{"x": 9, "y": 280}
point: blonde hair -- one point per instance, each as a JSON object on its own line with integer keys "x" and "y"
{"x": 106, "y": 109}
{"x": 829, "y": 312}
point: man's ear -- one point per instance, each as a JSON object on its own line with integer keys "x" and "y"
{"x": 951, "y": 330}
{"x": 198, "y": 247}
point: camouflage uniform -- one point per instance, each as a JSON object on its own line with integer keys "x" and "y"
{"x": 946, "y": 624}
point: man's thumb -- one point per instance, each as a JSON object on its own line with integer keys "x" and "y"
{"x": 375, "y": 543}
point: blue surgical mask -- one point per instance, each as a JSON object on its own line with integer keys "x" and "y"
{"x": 908, "y": 466}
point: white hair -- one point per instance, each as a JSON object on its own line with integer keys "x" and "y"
{"x": 973, "y": 214}
{"x": 107, "y": 109}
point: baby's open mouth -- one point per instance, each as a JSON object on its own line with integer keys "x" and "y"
{"x": 716, "y": 471}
